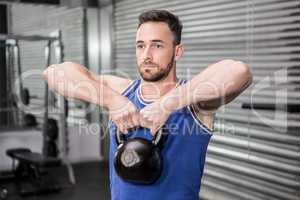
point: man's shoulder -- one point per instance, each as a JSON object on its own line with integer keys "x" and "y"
{"x": 131, "y": 84}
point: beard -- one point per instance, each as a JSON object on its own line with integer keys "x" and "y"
{"x": 149, "y": 76}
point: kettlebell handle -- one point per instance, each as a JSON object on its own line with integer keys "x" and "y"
{"x": 156, "y": 138}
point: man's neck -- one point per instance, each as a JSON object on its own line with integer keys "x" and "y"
{"x": 152, "y": 91}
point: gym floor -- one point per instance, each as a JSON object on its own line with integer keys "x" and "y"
{"x": 92, "y": 184}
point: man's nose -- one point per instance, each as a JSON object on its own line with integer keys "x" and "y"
{"x": 147, "y": 54}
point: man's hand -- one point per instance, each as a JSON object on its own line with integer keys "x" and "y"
{"x": 154, "y": 116}
{"x": 126, "y": 116}
{"x": 123, "y": 113}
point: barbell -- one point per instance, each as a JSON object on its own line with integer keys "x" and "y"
{"x": 25, "y": 96}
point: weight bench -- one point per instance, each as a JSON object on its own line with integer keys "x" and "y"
{"x": 26, "y": 156}
{"x": 30, "y": 171}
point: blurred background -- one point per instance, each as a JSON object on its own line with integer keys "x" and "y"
{"x": 255, "y": 151}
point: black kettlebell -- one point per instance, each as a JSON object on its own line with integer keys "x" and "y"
{"x": 139, "y": 160}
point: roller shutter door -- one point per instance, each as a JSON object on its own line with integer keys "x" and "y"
{"x": 254, "y": 154}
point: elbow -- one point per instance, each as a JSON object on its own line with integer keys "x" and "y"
{"x": 240, "y": 68}
{"x": 52, "y": 70}
{"x": 49, "y": 72}
{"x": 245, "y": 71}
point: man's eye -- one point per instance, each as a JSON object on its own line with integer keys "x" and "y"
{"x": 139, "y": 46}
{"x": 158, "y": 46}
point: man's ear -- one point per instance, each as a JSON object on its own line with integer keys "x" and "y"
{"x": 179, "y": 49}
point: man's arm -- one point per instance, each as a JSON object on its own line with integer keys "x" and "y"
{"x": 75, "y": 81}
{"x": 216, "y": 85}
{"x": 116, "y": 83}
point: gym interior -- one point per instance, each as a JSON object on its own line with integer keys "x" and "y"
{"x": 53, "y": 147}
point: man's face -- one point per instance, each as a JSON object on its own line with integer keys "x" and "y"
{"x": 155, "y": 51}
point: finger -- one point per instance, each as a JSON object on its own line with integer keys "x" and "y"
{"x": 120, "y": 126}
{"x": 130, "y": 123}
{"x": 143, "y": 116}
{"x": 153, "y": 129}
{"x": 143, "y": 121}
{"x": 143, "y": 113}
{"x": 126, "y": 121}
{"x": 136, "y": 120}
{"x": 133, "y": 117}
{"x": 123, "y": 129}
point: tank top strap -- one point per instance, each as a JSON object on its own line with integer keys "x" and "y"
{"x": 183, "y": 81}
{"x": 132, "y": 87}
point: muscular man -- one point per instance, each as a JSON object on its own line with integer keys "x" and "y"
{"x": 158, "y": 98}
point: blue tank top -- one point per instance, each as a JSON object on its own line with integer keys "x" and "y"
{"x": 183, "y": 156}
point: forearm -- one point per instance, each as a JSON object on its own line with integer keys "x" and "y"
{"x": 74, "y": 81}
{"x": 218, "y": 84}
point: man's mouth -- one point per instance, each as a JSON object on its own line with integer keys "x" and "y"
{"x": 149, "y": 66}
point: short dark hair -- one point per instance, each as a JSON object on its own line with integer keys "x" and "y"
{"x": 172, "y": 20}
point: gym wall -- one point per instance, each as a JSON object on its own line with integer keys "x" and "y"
{"x": 254, "y": 154}
{"x": 3, "y": 81}
{"x": 45, "y": 20}
{"x": 30, "y": 19}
